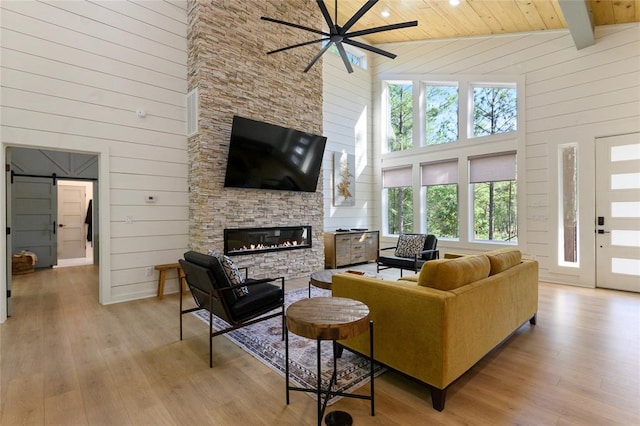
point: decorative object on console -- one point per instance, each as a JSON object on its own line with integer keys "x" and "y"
{"x": 344, "y": 182}
{"x": 340, "y": 34}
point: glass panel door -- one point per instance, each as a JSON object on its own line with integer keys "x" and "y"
{"x": 618, "y": 212}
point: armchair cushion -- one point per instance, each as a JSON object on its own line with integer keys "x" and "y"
{"x": 258, "y": 297}
{"x": 410, "y": 245}
{"x": 232, "y": 272}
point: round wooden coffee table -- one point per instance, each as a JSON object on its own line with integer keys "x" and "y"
{"x": 322, "y": 279}
{"x": 328, "y": 318}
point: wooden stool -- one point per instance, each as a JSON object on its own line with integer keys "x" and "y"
{"x": 163, "y": 274}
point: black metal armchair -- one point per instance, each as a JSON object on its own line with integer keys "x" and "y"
{"x": 238, "y": 304}
{"x": 411, "y": 252}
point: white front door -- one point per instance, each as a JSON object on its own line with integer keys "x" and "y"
{"x": 72, "y": 210}
{"x": 618, "y": 212}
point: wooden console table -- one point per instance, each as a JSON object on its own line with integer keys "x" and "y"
{"x": 328, "y": 318}
{"x": 349, "y": 248}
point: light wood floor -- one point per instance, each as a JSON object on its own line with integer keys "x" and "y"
{"x": 64, "y": 359}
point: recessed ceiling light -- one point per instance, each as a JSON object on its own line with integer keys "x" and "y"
{"x": 454, "y": 2}
{"x": 385, "y": 13}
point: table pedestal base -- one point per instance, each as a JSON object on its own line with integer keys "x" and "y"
{"x": 338, "y": 418}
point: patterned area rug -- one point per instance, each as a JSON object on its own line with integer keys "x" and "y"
{"x": 264, "y": 341}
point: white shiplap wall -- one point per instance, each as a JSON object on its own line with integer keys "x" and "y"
{"x": 74, "y": 73}
{"x": 346, "y": 113}
{"x": 572, "y": 96}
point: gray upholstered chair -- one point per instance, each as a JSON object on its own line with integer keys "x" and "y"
{"x": 238, "y": 302}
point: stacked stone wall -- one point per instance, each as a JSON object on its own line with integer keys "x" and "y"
{"x": 228, "y": 64}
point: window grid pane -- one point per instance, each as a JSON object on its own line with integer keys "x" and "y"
{"x": 494, "y": 110}
{"x": 495, "y": 212}
{"x": 442, "y": 211}
{"x": 568, "y": 201}
{"x": 399, "y": 210}
{"x": 441, "y": 114}
{"x": 400, "y": 125}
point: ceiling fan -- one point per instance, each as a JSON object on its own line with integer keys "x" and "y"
{"x": 340, "y": 34}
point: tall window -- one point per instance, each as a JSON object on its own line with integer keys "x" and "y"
{"x": 399, "y": 197}
{"x": 400, "y": 116}
{"x": 441, "y": 114}
{"x": 568, "y": 202}
{"x": 494, "y": 109}
{"x": 440, "y": 183}
{"x": 494, "y": 190}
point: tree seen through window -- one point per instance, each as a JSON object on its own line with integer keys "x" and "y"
{"x": 494, "y": 110}
{"x": 441, "y": 114}
{"x": 400, "y": 128}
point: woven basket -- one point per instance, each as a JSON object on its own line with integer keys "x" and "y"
{"x": 21, "y": 264}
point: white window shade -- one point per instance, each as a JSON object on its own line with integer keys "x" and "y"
{"x": 396, "y": 178}
{"x": 492, "y": 168}
{"x": 442, "y": 173}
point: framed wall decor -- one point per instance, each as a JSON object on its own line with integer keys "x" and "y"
{"x": 344, "y": 179}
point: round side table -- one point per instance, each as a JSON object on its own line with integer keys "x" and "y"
{"x": 328, "y": 318}
{"x": 322, "y": 279}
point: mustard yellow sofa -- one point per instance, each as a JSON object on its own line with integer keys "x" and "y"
{"x": 437, "y": 324}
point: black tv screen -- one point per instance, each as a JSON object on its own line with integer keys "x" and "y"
{"x": 267, "y": 156}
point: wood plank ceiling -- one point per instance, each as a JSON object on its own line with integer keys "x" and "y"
{"x": 438, "y": 19}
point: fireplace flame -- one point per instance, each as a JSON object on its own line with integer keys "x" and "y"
{"x": 283, "y": 244}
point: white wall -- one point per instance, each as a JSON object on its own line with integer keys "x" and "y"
{"x": 73, "y": 75}
{"x": 571, "y": 96}
{"x": 346, "y": 111}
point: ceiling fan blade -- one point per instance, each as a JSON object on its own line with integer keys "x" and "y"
{"x": 383, "y": 28}
{"x": 289, "y": 24}
{"x": 297, "y": 45}
{"x": 320, "y": 53}
{"x": 345, "y": 58}
{"x": 327, "y": 17}
{"x": 364, "y": 9}
{"x": 369, "y": 48}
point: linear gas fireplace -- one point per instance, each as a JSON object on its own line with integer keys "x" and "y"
{"x": 258, "y": 240}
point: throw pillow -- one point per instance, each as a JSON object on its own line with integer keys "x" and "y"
{"x": 232, "y": 272}
{"x": 409, "y": 245}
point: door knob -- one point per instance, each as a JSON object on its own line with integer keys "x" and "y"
{"x": 60, "y": 225}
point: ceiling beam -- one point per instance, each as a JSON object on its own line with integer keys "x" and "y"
{"x": 579, "y": 20}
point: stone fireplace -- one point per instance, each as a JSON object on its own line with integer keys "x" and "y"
{"x": 259, "y": 240}
{"x": 228, "y": 65}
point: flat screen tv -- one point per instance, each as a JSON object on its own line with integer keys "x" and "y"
{"x": 267, "y": 156}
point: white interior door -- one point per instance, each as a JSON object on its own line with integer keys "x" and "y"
{"x": 618, "y": 212}
{"x": 71, "y": 218}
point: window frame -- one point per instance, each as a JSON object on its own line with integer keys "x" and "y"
{"x": 462, "y": 149}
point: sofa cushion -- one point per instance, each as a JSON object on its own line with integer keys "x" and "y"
{"x": 449, "y": 274}
{"x": 409, "y": 245}
{"x": 503, "y": 259}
